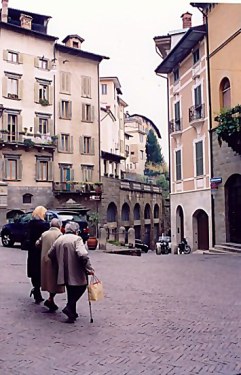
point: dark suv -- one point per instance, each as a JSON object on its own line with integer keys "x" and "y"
{"x": 17, "y": 231}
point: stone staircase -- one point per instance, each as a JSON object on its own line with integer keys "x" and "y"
{"x": 228, "y": 247}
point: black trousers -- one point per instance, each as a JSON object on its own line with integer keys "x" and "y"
{"x": 73, "y": 295}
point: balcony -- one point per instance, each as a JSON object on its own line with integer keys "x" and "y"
{"x": 80, "y": 188}
{"x": 175, "y": 128}
{"x": 20, "y": 139}
{"x": 197, "y": 115}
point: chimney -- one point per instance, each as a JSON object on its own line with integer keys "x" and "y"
{"x": 4, "y": 12}
{"x": 26, "y": 21}
{"x": 186, "y": 20}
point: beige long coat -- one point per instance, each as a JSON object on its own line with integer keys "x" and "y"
{"x": 71, "y": 257}
{"x": 48, "y": 269}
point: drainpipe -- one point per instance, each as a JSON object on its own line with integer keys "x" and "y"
{"x": 210, "y": 128}
{"x": 98, "y": 70}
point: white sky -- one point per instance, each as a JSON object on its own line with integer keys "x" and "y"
{"x": 124, "y": 31}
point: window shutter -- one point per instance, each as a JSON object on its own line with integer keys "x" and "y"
{"x": 50, "y": 95}
{"x": 5, "y": 126}
{"x": 72, "y": 174}
{"x": 49, "y": 64}
{"x": 36, "y": 62}
{"x": 5, "y": 55}
{"x": 92, "y": 113}
{"x": 81, "y": 145}
{"x": 20, "y": 89}
{"x": 36, "y": 125}
{"x": 51, "y": 126}
{"x": 5, "y": 169}
{"x": 82, "y": 86}
{"x": 83, "y": 112}
{"x": 5, "y": 87}
{"x": 1, "y": 169}
{"x": 177, "y": 111}
{"x": 60, "y": 147}
{"x": 71, "y": 144}
{"x": 69, "y": 115}
{"x": 89, "y": 87}
{"x": 60, "y": 109}
{"x": 50, "y": 171}
{"x": 36, "y": 92}
{"x": 19, "y": 169}
{"x": 20, "y": 58}
{"x": 197, "y": 95}
{"x": 92, "y": 150}
{"x": 37, "y": 171}
{"x": 20, "y": 128}
{"x": 68, "y": 83}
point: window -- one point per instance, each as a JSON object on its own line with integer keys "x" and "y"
{"x": 43, "y": 92}
{"x": 177, "y": 116}
{"x": 178, "y": 165}
{"x": 75, "y": 45}
{"x": 86, "y": 87}
{"x": 66, "y": 109}
{"x": 198, "y": 101}
{"x": 199, "y": 158}
{"x": 43, "y": 125}
{"x": 66, "y": 173}
{"x": 12, "y": 170}
{"x": 12, "y": 86}
{"x": 104, "y": 89}
{"x": 196, "y": 56}
{"x": 65, "y": 142}
{"x": 87, "y": 145}
{"x": 87, "y": 173}
{"x": 176, "y": 75}
{"x": 225, "y": 94}
{"x": 12, "y": 126}
{"x": 65, "y": 82}
{"x": 141, "y": 138}
{"x": 12, "y": 57}
{"x": 27, "y": 198}
{"x": 142, "y": 154}
{"x": 43, "y": 64}
{"x": 87, "y": 113}
{"x": 44, "y": 169}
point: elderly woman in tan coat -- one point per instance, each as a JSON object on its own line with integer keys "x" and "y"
{"x": 48, "y": 270}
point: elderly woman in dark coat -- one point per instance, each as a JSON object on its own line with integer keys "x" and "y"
{"x": 37, "y": 226}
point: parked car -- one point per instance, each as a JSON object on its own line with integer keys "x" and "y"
{"x": 139, "y": 244}
{"x": 17, "y": 230}
{"x": 163, "y": 245}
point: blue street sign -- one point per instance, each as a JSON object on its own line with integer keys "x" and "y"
{"x": 216, "y": 180}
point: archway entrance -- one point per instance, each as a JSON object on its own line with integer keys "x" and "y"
{"x": 233, "y": 208}
{"x": 200, "y": 226}
{"x": 180, "y": 224}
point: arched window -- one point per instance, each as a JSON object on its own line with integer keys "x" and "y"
{"x": 125, "y": 212}
{"x": 225, "y": 94}
{"x": 156, "y": 211}
{"x": 111, "y": 212}
{"x": 137, "y": 212}
{"x": 147, "y": 212}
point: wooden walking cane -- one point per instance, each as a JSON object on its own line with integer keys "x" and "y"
{"x": 90, "y": 308}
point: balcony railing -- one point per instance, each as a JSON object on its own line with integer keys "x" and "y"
{"x": 175, "y": 125}
{"x": 196, "y": 112}
{"x": 77, "y": 187}
{"x": 30, "y": 140}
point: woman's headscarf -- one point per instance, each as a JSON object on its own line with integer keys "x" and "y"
{"x": 39, "y": 213}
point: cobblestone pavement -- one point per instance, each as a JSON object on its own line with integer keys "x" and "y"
{"x": 165, "y": 314}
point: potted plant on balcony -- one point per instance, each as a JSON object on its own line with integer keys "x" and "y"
{"x": 44, "y": 102}
{"x": 92, "y": 241}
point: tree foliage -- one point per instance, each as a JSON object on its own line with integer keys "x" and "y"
{"x": 153, "y": 149}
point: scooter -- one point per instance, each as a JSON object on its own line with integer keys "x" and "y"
{"x": 183, "y": 247}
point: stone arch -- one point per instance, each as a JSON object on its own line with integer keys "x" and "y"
{"x": 200, "y": 230}
{"x": 225, "y": 93}
{"x": 179, "y": 223}
{"x": 27, "y": 198}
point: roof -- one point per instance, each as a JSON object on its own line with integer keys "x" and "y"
{"x": 116, "y": 82}
{"x": 76, "y": 36}
{"x": 192, "y": 36}
{"x": 14, "y": 11}
{"x": 150, "y": 121}
{"x": 22, "y": 30}
{"x": 80, "y": 53}
{"x": 113, "y": 157}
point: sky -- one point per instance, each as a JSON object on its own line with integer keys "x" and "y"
{"x": 123, "y": 31}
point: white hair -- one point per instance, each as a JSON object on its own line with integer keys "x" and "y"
{"x": 71, "y": 227}
{"x": 57, "y": 223}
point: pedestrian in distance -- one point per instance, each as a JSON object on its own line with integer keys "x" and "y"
{"x": 36, "y": 227}
{"x": 48, "y": 269}
{"x": 71, "y": 257}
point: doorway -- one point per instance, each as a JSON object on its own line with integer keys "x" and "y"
{"x": 233, "y": 208}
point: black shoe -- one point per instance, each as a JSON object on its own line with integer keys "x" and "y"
{"x": 36, "y": 295}
{"x": 51, "y": 305}
{"x": 69, "y": 314}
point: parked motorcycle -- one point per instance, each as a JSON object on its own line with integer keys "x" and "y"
{"x": 163, "y": 245}
{"x": 183, "y": 247}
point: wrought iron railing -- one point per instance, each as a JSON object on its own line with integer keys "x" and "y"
{"x": 175, "y": 125}
{"x": 196, "y": 112}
